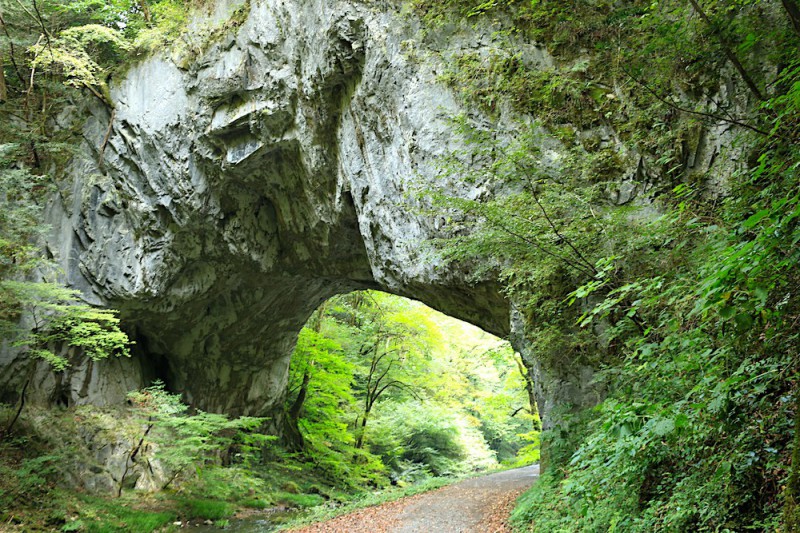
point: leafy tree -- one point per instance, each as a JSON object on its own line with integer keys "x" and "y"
{"x": 191, "y": 440}
{"x": 418, "y": 440}
{"x": 392, "y": 345}
{"x": 44, "y": 319}
{"x": 59, "y": 319}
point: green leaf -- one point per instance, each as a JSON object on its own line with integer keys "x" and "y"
{"x": 663, "y": 427}
{"x": 723, "y": 470}
{"x": 743, "y": 322}
{"x": 755, "y": 219}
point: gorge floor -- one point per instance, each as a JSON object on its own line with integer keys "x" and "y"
{"x": 481, "y": 504}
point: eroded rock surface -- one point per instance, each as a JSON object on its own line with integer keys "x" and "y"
{"x": 250, "y": 176}
{"x": 243, "y": 185}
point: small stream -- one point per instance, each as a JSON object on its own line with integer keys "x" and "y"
{"x": 257, "y": 523}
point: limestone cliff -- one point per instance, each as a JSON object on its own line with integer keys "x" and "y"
{"x": 241, "y": 187}
{"x": 246, "y": 179}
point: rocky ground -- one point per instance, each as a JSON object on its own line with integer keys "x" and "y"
{"x": 476, "y": 505}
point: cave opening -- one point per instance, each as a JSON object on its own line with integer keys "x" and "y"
{"x": 390, "y": 381}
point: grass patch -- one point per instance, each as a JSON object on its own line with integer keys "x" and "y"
{"x": 299, "y": 500}
{"x": 128, "y": 520}
{"x": 255, "y": 503}
{"x": 208, "y": 509}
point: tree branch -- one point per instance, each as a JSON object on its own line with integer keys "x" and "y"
{"x": 44, "y": 29}
{"x": 539, "y": 247}
{"x": 728, "y": 51}
{"x": 675, "y": 106}
{"x": 105, "y": 140}
{"x": 8, "y": 428}
{"x": 12, "y": 52}
{"x": 516, "y": 411}
{"x": 400, "y": 385}
{"x": 794, "y": 14}
{"x": 132, "y": 456}
{"x": 578, "y": 254}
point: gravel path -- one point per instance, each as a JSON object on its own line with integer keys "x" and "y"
{"x": 479, "y": 505}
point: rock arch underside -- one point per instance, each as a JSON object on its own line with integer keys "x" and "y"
{"x": 233, "y": 190}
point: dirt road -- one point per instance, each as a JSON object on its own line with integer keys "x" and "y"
{"x": 478, "y": 505}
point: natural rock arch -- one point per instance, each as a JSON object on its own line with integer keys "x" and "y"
{"x": 238, "y": 189}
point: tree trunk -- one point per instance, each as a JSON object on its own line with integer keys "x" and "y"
{"x": 10, "y": 425}
{"x": 794, "y": 14}
{"x": 3, "y": 88}
{"x": 292, "y": 436}
{"x": 534, "y": 408}
{"x": 145, "y": 10}
{"x": 360, "y": 439}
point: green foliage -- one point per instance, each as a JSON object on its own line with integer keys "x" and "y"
{"x": 530, "y": 453}
{"x": 418, "y": 440}
{"x": 328, "y": 375}
{"x": 299, "y": 500}
{"x": 29, "y": 481}
{"x": 42, "y": 318}
{"x": 689, "y": 314}
{"x": 234, "y": 482}
{"x": 20, "y": 218}
{"x": 208, "y": 509}
{"x": 115, "y": 518}
{"x": 71, "y": 54}
{"x": 59, "y": 320}
{"x": 370, "y": 369}
{"x": 194, "y": 440}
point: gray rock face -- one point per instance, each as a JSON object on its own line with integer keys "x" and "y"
{"x": 242, "y": 186}
{"x": 99, "y": 447}
{"x": 245, "y": 181}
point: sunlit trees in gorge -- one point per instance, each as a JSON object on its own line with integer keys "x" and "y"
{"x": 385, "y": 388}
{"x": 396, "y": 346}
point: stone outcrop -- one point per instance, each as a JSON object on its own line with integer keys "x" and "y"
{"x": 242, "y": 185}
{"x": 244, "y": 178}
{"x": 102, "y": 448}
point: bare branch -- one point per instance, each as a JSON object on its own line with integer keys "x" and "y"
{"x": 517, "y": 410}
{"x": 726, "y": 48}
{"x": 12, "y": 52}
{"x": 677, "y": 107}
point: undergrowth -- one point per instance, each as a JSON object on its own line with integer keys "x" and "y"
{"x": 681, "y": 297}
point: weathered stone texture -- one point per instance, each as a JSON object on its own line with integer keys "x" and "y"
{"x": 242, "y": 186}
{"x": 246, "y": 180}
